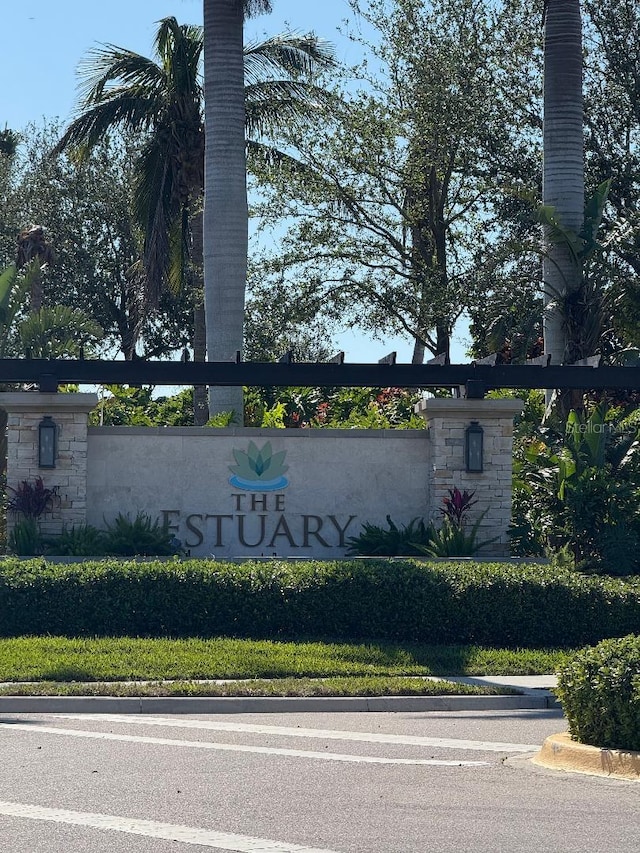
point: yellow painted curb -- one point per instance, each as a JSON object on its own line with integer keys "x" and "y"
{"x": 559, "y": 752}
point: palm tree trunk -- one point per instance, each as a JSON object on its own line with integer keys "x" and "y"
{"x": 225, "y": 212}
{"x": 563, "y": 169}
{"x": 36, "y": 294}
{"x": 200, "y": 402}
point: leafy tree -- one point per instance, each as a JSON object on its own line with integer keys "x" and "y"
{"x": 612, "y": 137}
{"x": 85, "y": 205}
{"x": 602, "y": 303}
{"x": 397, "y": 202}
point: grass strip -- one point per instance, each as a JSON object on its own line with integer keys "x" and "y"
{"x": 362, "y": 686}
{"x": 64, "y": 659}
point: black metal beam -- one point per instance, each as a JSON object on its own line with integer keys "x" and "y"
{"x": 49, "y": 373}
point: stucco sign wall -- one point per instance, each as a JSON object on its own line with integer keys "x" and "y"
{"x": 237, "y": 493}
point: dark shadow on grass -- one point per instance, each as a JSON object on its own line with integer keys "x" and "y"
{"x": 434, "y": 660}
{"x": 69, "y": 673}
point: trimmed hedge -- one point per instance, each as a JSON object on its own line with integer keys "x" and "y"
{"x": 599, "y": 689}
{"x": 488, "y": 604}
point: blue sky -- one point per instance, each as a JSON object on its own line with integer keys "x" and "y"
{"x": 44, "y": 41}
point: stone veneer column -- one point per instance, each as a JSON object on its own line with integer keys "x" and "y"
{"x": 25, "y": 410}
{"x": 447, "y": 419}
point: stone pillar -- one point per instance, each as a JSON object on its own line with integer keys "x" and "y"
{"x": 25, "y": 410}
{"x": 447, "y": 420}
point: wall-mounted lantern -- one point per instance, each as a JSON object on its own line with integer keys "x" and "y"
{"x": 47, "y": 440}
{"x": 474, "y": 448}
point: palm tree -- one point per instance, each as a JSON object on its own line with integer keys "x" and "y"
{"x": 32, "y": 245}
{"x": 563, "y": 167}
{"x": 162, "y": 97}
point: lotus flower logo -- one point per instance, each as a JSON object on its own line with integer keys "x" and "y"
{"x": 259, "y": 470}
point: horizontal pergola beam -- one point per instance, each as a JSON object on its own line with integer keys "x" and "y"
{"x": 477, "y": 378}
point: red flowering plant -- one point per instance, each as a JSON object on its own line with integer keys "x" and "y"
{"x": 453, "y": 539}
{"x": 457, "y": 505}
{"x": 31, "y": 499}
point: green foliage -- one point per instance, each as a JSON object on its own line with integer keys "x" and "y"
{"x": 221, "y": 420}
{"x": 582, "y": 246}
{"x": 14, "y": 287}
{"x": 273, "y": 418}
{"x": 376, "y": 541}
{"x": 82, "y": 540}
{"x": 142, "y": 536}
{"x": 599, "y": 689}
{"x": 489, "y": 604}
{"x": 24, "y": 538}
{"x": 59, "y": 331}
{"x": 578, "y": 490}
{"x": 294, "y": 686}
{"x": 455, "y": 540}
{"x": 398, "y": 177}
{"x": 123, "y": 406}
{"x": 86, "y": 205}
{"x": 333, "y": 408}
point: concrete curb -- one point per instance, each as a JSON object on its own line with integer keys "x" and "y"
{"x": 266, "y": 705}
{"x": 559, "y": 752}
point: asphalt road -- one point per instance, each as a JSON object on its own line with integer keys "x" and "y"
{"x": 301, "y": 783}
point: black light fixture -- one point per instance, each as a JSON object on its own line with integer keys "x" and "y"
{"x": 474, "y": 448}
{"x": 47, "y": 435}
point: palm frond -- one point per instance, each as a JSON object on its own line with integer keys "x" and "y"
{"x": 57, "y": 331}
{"x": 272, "y": 105}
{"x": 180, "y": 46}
{"x": 90, "y": 127}
{"x": 256, "y": 7}
{"x": 155, "y": 209}
{"x": 8, "y": 278}
{"x": 293, "y": 53}
{"x": 111, "y": 66}
{"x": 266, "y": 157}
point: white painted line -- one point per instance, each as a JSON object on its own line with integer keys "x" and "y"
{"x": 323, "y": 734}
{"x": 155, "y": 829}
{"x": 234, "y": 747}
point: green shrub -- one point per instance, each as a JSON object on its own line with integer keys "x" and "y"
{"x": 81, "y": 540}
{"x": 490, "y": 604}
{"x": 403, "y": 541}
{"x": 453, "y": 540}
{"x": 599, "y": 688}
{"x": 24, "y": 538}
{"x": 142, "y": 536}
{"x": 576, "y": 489}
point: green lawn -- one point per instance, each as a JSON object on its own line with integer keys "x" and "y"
{"x": 60, "y": 659}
